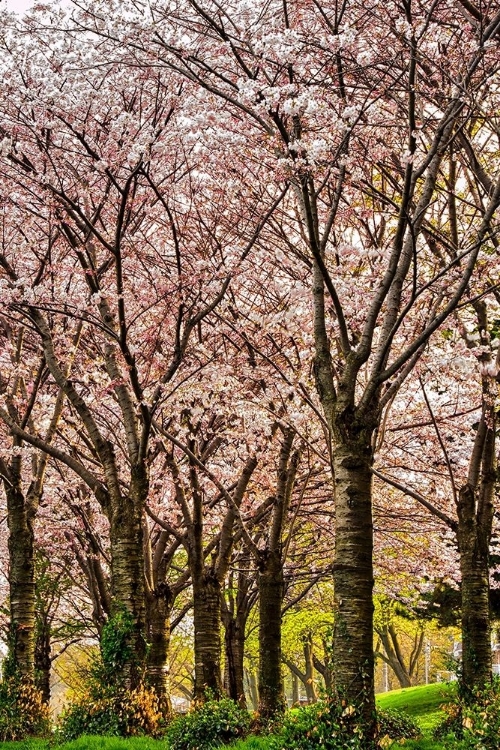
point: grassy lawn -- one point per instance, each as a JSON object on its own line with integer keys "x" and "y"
{"x": 423, "y": 704}
{"x": 115, "y": 743}
{"x": 90, "y": 743}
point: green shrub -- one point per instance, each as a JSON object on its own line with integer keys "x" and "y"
{"x": 22, "y": 711}
{"x": 481, "y": 720}
{"x": 107, "y": 706}
{"x": 397, "y": 725}
{"x": 451, "y": 724}
{"x": 118, "y": 712}
{"x": 473, "y": 718}
{"x": 327, "y": 724}
{"x": 212, "y": 724}
{"x": 335, "y": 726}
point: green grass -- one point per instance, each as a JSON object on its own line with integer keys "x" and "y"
{"x": 113, "y": 743}
{"x": 116, "y": 743}
{"x": 251, "y": 743}
{"x": 423, "y": 703}
{"x": 25, "y": 745}
{"x": 94, "y": 743}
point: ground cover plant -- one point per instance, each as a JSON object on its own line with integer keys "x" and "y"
{"x": 22, "y": 710}
{"x": 473, "y": 718}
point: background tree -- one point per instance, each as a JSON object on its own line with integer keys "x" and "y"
{"x": 406, "y": 294}
{"x": 470, "y": 517}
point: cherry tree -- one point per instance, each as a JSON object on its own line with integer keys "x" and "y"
{"x": 356, "y": 111}
{"x": 140, "y": 255}
{"x": 468, "y": 467}
{"x": 342, "y": 140}
{"x": 23, "y": 469}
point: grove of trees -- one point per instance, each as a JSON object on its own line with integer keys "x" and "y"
{"x": 249, "y": 335}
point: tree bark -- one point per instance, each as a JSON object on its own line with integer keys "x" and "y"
{"x": 127, "y": 582}
{"x": 271, "y": 693}
{"x": 236, "y": 607}
{"x": 207, "y": 579}
{"x": 158, "y": 610}
{"x": 391, "y": 658}
{"x": 270, "y": 564}
{"x": 306, "y": 678}
{"x": 323, "y": 667}
{"x": 43, "y": 660}
{"x": 475, "y": 509}
{"x": 295, "y": 689}
{"x": 21, "y": 582}
{"x": 392, "y": 654}
{"x": 234, "y": 646}
{"x": 353, "y": 658}
{"x": 207, "y": 640}
{"x": 476, "y": 635}
{"x": 309, "y": 674}
{"x": 476, "y": 632}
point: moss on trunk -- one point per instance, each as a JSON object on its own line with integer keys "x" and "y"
{"x": 127, "y": 586}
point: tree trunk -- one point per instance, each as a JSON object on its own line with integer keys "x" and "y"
{"x": 271, "y": 694}
{"x": 476, "y": 634}
{"x": 235, "y": 611}
{"x": 207, "y": 641}
{"x": 353, "y": 658}
{"x": 352, "y": 434}
{"x": 401, "y": 675}
{"x": 309, "y": 674}
{"x": 253, "y": 689}
{"x": 393, "y": 656}
{"x": 476, "y": 637}
{"x": 21, "y": 583}
{"x": 127, "y": 583}
{"x": 158, "y": 609}
{"x": 475, "y": 508}
{"x": 295, "y": 689}
{"x": 43, "y": 661}
{"x": 323, "y": 667}
{"x": 234, "y": 643}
